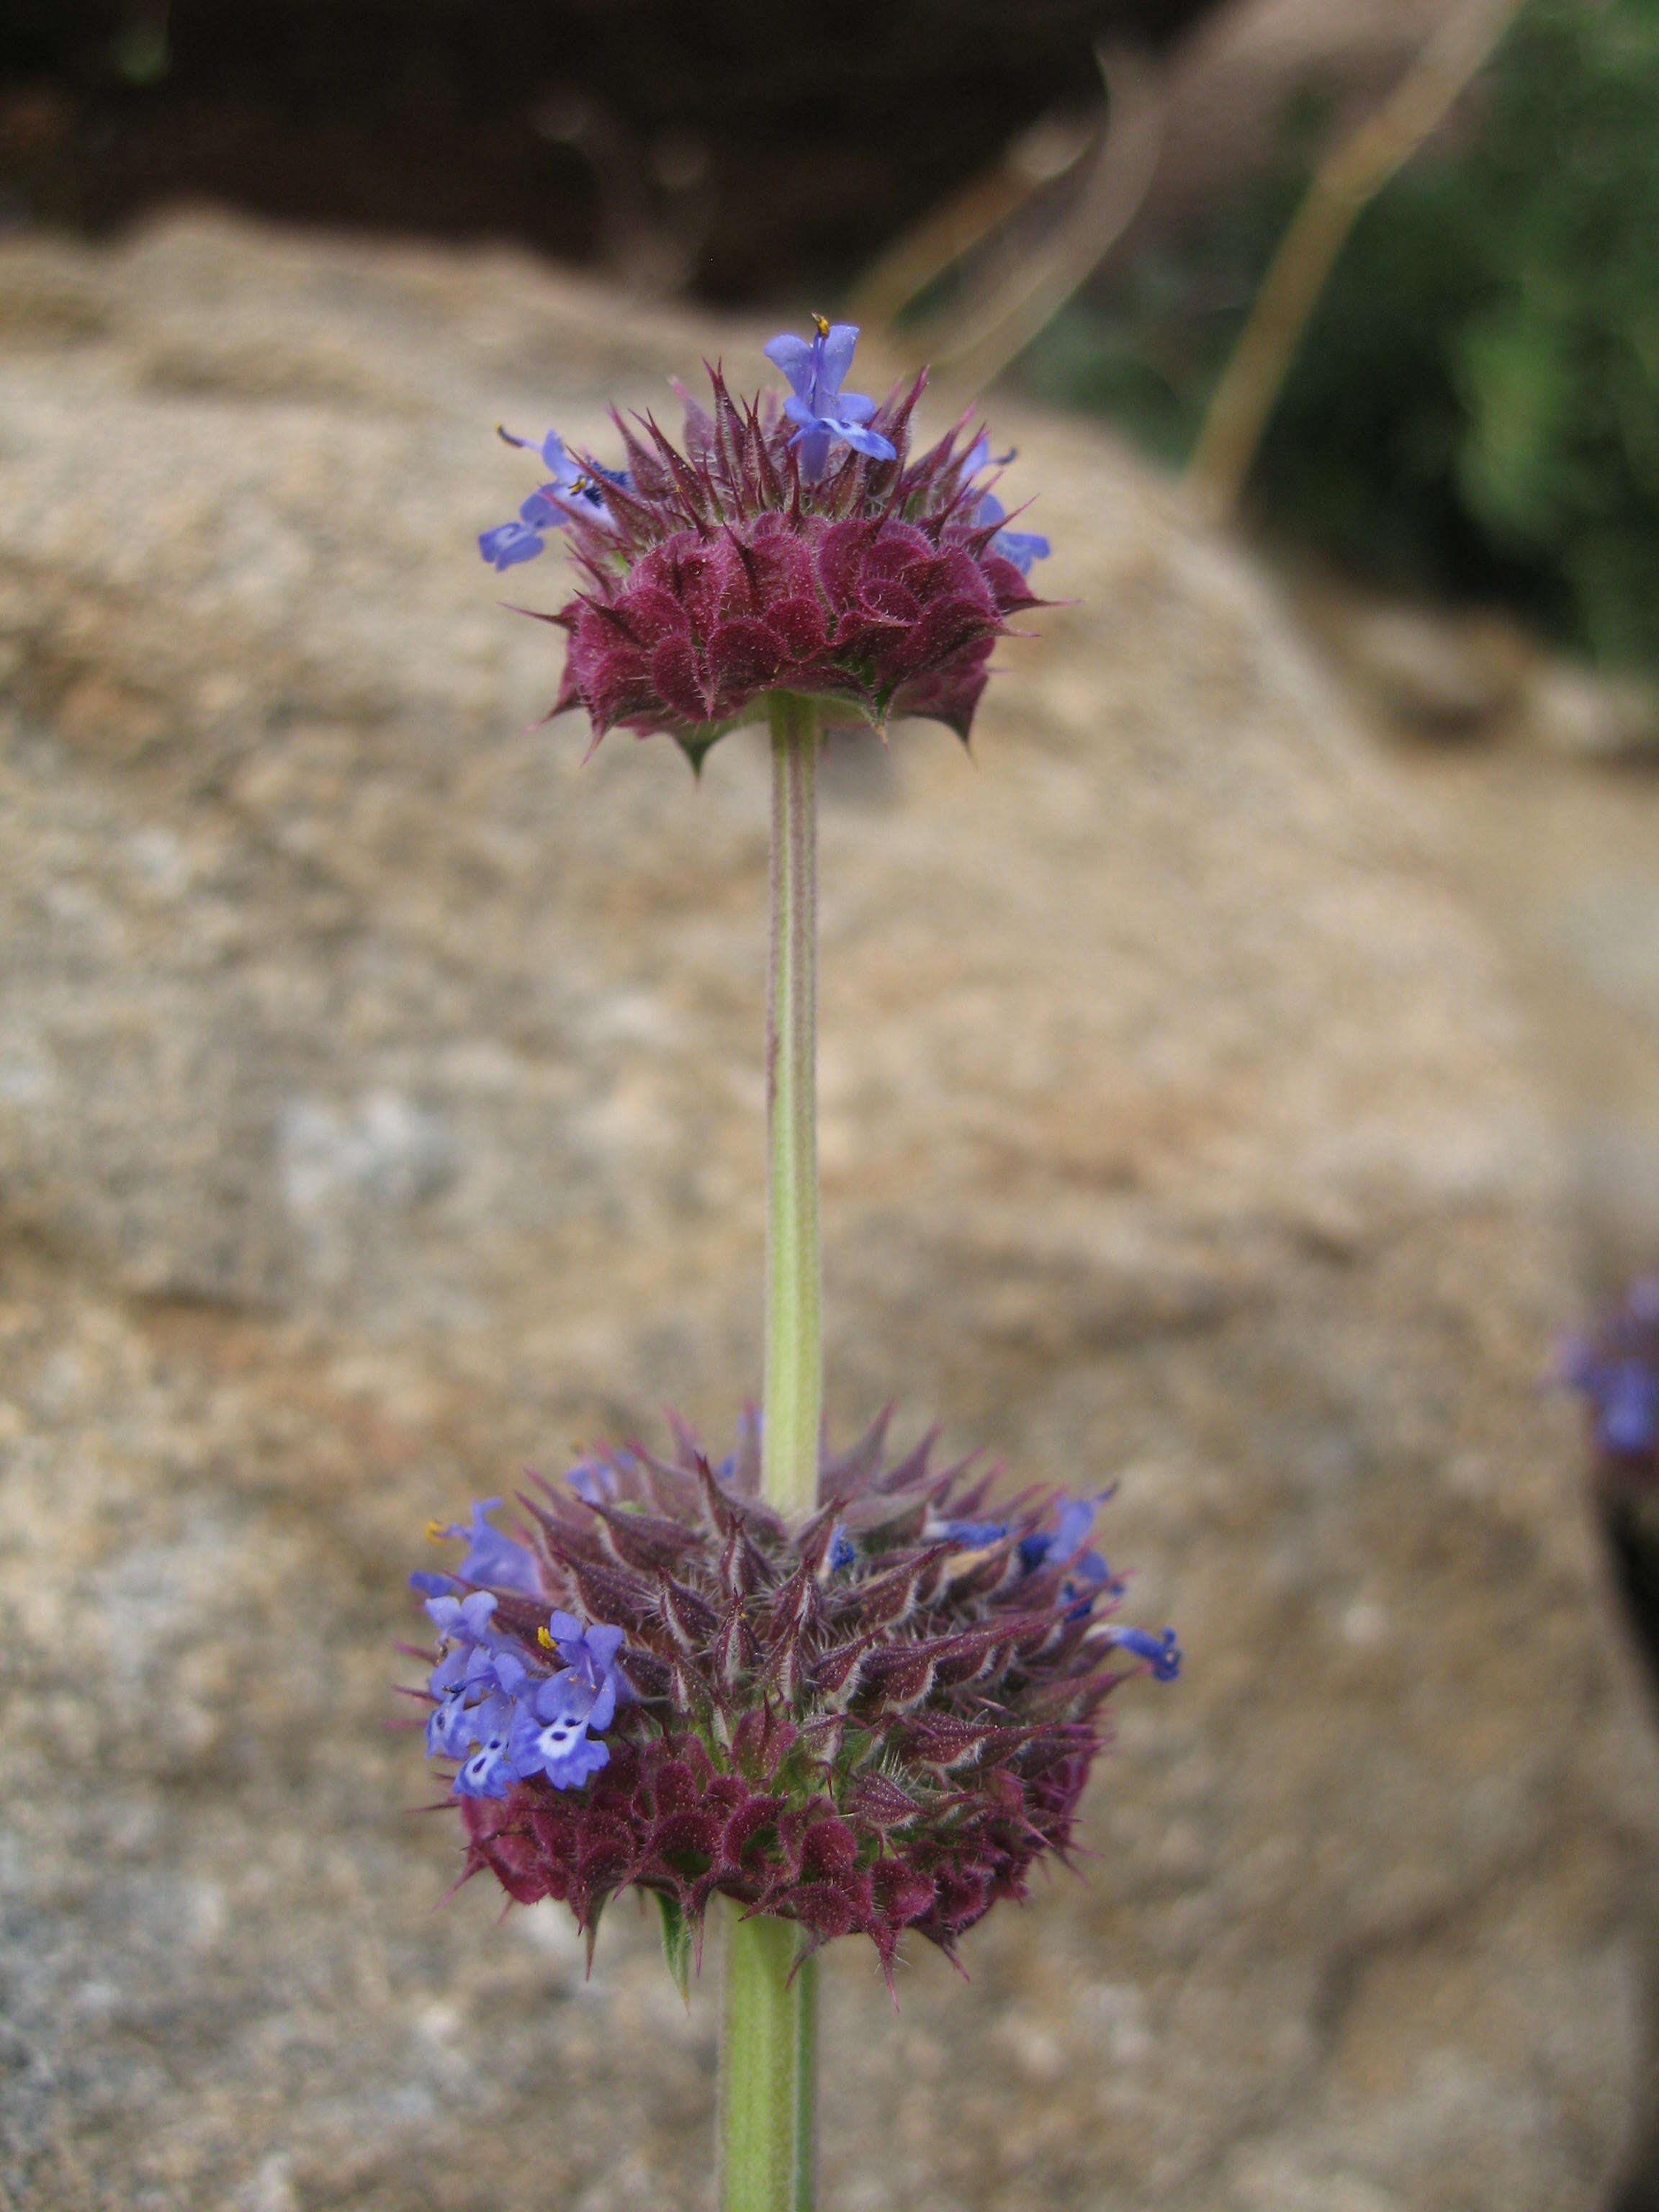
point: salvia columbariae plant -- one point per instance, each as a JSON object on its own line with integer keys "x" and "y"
{"x": 855, "y": 1694}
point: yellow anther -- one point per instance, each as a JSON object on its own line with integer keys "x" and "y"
{"x": 436, "y": 1533}
{"x": 821, "y": 325}
{"x": 544, "y": 1639}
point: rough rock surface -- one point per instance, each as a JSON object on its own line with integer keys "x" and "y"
{"x": 380, "y": 1106}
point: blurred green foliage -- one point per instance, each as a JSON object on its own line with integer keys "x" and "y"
{"x": 1474, "y": 406}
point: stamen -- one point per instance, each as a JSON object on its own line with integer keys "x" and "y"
{"x": 436, "y": 1533}
{"x": 820, "y": 324}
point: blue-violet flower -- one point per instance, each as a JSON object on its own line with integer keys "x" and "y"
{"x": 817, "y": 368}
{"x": 1021, "y": 547}
{"x": 550, "y": 1735}
{"x": 499, "y": 1712}
{"x": 547, "y": 508}
{"x": 492, "y": 1558}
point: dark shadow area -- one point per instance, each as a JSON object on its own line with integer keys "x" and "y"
{"x": 736, "y": 150}
{"x": 1633, "y": 1545}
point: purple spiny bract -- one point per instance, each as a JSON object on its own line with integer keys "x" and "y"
{"x": 875, "y": 1719}
{"x": 800, "y": 550}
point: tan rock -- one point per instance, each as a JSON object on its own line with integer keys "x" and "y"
{"x": 1437, "y": 674}
{"x": 379, "y": 1108}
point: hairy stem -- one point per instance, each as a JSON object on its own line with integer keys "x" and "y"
{"x": 768, "y": 2071}
{"x": 769, "y": 2040}
{"x": 769, "y": 2043}
{"x": 793, "y": 1402}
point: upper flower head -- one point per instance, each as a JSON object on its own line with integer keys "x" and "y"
{"x": 799, "y": 549}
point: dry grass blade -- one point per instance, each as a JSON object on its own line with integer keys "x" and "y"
{"x": 1034, "y": 160}
{"x": 969, "y": 343}
{"x": 1348, "y": 179}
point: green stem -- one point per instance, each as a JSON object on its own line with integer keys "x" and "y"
{"x": 768, "y": 2071}
{"x": 769, "y": 2044}
{"x": 792, "y": 1401}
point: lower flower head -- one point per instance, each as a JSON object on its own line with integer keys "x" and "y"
{"x": 878, "y": 1719}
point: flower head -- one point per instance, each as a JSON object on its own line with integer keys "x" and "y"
{"x": 800, "y": 549}
{"x": 876, "y": 1719}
